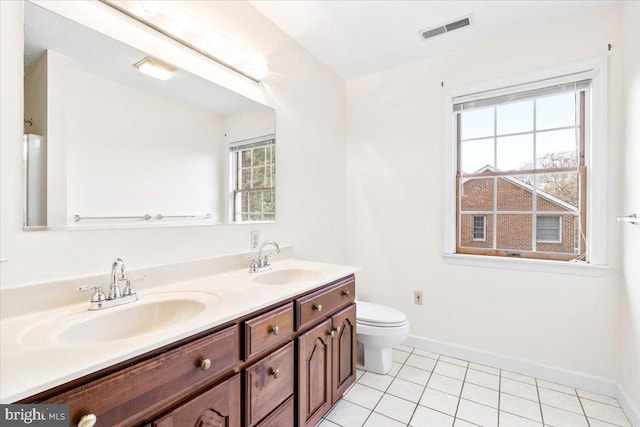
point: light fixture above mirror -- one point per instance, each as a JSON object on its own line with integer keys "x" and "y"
{"x": 196, "y": 36}
{"x": 154, "y": 68}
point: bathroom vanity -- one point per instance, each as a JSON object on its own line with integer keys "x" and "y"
{"x": 283, "y": 363}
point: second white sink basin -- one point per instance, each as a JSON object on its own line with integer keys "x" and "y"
{"x": 286, "y": 277}
{"x": 151, "y": 313}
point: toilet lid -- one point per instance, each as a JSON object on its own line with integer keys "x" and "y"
{"x": 368, "y": 313}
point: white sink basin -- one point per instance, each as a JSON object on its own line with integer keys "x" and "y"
{"x": 151, "y": 313}
{"x": 286, "y": 277}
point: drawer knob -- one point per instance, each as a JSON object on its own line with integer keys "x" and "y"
{"x": 205, "y": 364}
{"x": 346, "y": 293}
{"x": 317, "y": 307}
{"x": 275, "y": 330}
{"x": 88, "y": 420}
{"x": 275, "y": 373}
{"x": 332, "y": 333}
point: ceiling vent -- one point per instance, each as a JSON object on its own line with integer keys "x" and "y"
{"x": 426, "y": 34}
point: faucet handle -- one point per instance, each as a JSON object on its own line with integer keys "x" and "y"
{"x": 98, "y": 295}
{"x": 128, "y": 287}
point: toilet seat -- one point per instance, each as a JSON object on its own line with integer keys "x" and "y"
{"x": 378, "y": 315}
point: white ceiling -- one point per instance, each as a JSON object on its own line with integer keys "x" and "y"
{"x": 359, "y": 37}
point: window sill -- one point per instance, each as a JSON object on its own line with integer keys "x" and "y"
{"x": 579, "y": 268}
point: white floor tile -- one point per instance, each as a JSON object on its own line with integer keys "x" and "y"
{"x": 421, "y": 362}
{"x": 484, "y": 368}
{"x": 359, "y": 373}
{"x": 603, "y": 412}
{"x": 454, "y": 361}
{"x": 424, "y": 417}
{"x": 480, "y": 394}
{"x": 415, "y": 375}
{"x": 396, "y": 408}
{"x": 450, "y": 370}
{"x": 326, "y": 423}
{"x": 477, "y": 413}
{"x": 348, "y": 414}
{"x": 364, "y": 396}
{"x": 557, "y": 387}
{"x": 377, "y": 381}
{"x": 519, "y": 389}
{"x": 377, "y": 420}
{"x": 521, "y": 407}
{"x": 462, "y": 423}
{"x": 510, "y": 420}
{"x": 440, "y": 401}
{"x": 560, "y": 418}
{"x": 484, "y": 379}
{"x": 446, "y": 384}
{"x": 518, "y": 377}
{"x": 406, "y": 390}
{"x": 399, "y": 356}
{"x": 597, "y": 423}
{"x": 395, "y": 368}
{"x": 598, "y": 398}
{"x": 404, "y": 348}
{"x": 426, "y": 353}
{"x": 560, "y": 400}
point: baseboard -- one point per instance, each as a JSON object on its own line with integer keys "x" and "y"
{"x": 629, "y": 407}
{"x": 581, "y": 380}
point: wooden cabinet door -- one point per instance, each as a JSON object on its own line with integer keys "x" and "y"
{"x": 217, "y": 407}
{"x": 314, "y": 374}
{"x": 344, "y": 351}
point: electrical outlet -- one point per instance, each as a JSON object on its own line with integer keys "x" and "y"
{"x": 417, "y": 297}
{"x": 255, "y": 239}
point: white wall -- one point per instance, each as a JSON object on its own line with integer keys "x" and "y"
{"x": 395, "y": 205}
{"x": 249, "y": 124}
{"x": 629, "y": 366}
{"x": 310, "y": 118}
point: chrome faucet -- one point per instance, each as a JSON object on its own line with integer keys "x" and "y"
{"x": 116, "y": 296}
{"x": 262, "y": 262}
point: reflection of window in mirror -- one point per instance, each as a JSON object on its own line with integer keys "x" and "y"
{"x": 253, "y": 167}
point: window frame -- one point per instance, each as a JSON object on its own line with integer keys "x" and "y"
{"x": 596, "y": 197}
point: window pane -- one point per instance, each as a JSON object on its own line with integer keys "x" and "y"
{"x": 245, "y": 179}
{"x": 548, "y": 228}
{"x": 477, "y": 194}
{"x": 515, "y": 193}
{"x": 515, "y": 152}
{"x": 258, "y": 156}
{"x": 515, "y": 117}
{"x": 246, "y": 158}
{"x": 476, "y": 123}
{"x": 476, "y": 155}
{"x": 258, "y": 177}
{"x": 557, "y": 192}
{"x": 556, "y": 149}
{"x": 556, "y": 111}
{"x": 478, "y": 228}
{"x": 514, "y": 232}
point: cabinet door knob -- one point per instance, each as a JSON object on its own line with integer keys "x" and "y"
{"x": 346, "y": 293}
{"x": 88, "y": 420}
{"x": 332, "y": 333}
{"x": 205, "y": 364}
{"x": 275, "y": 373}
{"x": 317, "y": 307}
{"x": 275, "y": 330}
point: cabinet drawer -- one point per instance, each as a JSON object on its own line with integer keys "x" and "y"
{"x": 143, "y": 389}
{"x": 268, "y": 330}
{"x": 268, "y": 383}
{"x": 317, "y": 305}
{"x": 281, "y": 417}
{"x": 219, "y": 406}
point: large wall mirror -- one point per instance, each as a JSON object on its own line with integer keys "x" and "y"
{"x": 106, "y": 146}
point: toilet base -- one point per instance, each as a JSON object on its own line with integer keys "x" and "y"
{"x": 376, "y": 360}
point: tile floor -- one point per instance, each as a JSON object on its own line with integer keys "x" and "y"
{"x": 430, "y": 390}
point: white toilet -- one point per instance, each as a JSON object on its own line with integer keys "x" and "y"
{"x": 379, "y": 328}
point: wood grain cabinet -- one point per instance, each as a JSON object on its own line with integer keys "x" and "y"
{"x": 282, "y": 366}
{"x": 326, "y": 361}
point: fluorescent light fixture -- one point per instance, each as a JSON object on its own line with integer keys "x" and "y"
{"x": 154, "y": 68}
{"x": 167, "y": 18}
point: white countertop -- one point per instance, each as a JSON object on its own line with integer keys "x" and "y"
{"x": 30, "y": 363}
